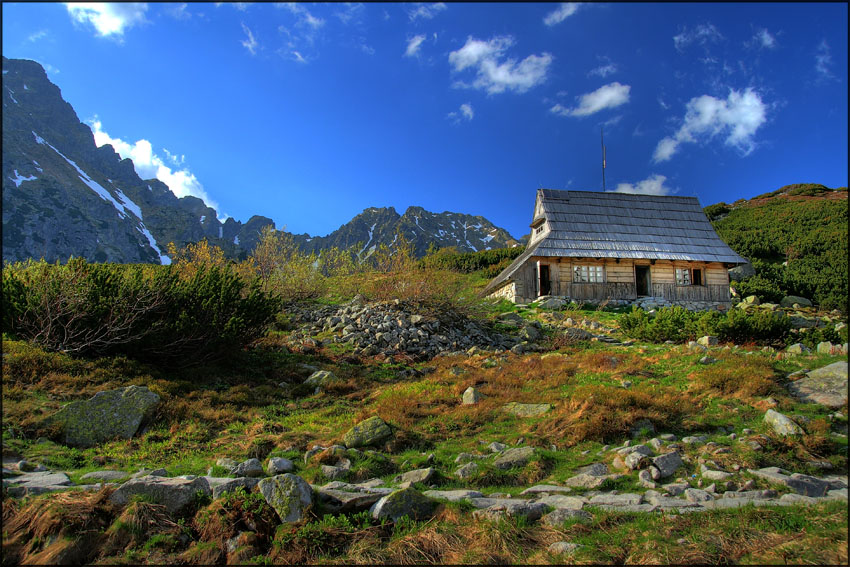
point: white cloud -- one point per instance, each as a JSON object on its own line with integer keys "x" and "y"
{"x": 179, "y": 11}
{"x": 653, "y": 185}
{"x": 611, "y": 95}
{"x": 148, "y": 165}
{"x": 465, "y": 112}
{"x": 305, "y": 18}
{"x": 702, "y": 34}
{"x": 764, "y": 39}
{"x": 425, "y": 11}
{"x": 352, "y": 11}
{"x": 109, "y": 19}
{"x": 563, "y": 12}
{"x": 492, "y": 74}
{"x": 40, "y": 34}
{"x": 739, "y": 117}
{"x": 250, "y": 43}
{"x": 298, "y": 57}
{"x": 604, "y": 70}
{"x": 413, "y": 45}
{"x": 823, "y": 61}
{"x": 663, "y": 104}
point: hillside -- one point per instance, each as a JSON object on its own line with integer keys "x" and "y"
{"x": 796, "y": 239}
{"x": 426, "y": 429}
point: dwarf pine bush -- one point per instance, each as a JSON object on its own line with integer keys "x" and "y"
{"x": 143, "y": 311}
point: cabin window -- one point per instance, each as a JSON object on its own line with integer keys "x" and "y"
{"x": 539, "y": 229}
{"x": 688, "y": 276}
{"x": 588, "y": 274}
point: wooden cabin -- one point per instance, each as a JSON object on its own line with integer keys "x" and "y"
{"x": 592, "y": 246}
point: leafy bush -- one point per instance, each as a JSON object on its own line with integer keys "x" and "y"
{"x": 468, "y": 262}
{"x": 713, "y": 212}
{"x": 155, "y": 313}
{"x": 680, "y": 325}
{"x": 765, "y": 289}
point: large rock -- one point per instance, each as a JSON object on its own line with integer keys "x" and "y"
{"x": 418, "y": 475}
{"x": 782, "y": 424}
{"x": 516, "y": 457}
{"x": 585, "y": 480}
{"x": 371, "y": 431}
{"x": 106, "y": 416}
{"x": 405, "y": 502}
{"x": 344, "y": 502}
{"x": 471, "y": 396}
{"x": 557, "y": 517}
{"x": 176, "y": 494}
{"x": 742, "y": 272}
{"x": 790, "y": 300}
{"x": 279, "y": 465}
{"x": 290, "y": 496}
{"x": 531, "y": 511}
{"x": 222, "y": 485}
{"x": 668, "y": 463}
{"x": 251, "y": 467}
{"x": 453, "y": 495}
{"x": 527, "y": 410}
{"x": 827, "y": 385}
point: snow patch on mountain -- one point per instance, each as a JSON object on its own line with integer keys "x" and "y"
{"x": 18, "y": 179}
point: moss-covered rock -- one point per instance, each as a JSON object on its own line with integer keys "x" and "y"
{"x": 405, "y": 502}
{"x": 107, "y": 415}
{"x": 368, "y": 432}
{"x": 290, "y": 496}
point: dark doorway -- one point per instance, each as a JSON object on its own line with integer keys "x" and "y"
{"x": 545, "y": 288}
{"x": 642, "y": 280}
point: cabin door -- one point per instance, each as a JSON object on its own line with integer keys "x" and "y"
{"x": 545, "y": 288}
{"x": 642, "y": 280}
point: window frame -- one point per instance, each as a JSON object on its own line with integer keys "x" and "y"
{"x": 587, "y": 273}
{"x": 688, "y": 279}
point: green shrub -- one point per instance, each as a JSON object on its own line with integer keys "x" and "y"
{"x": 154, "y": 313}
{"x": 765, "y": 289}
{"x": 680, "y": 325}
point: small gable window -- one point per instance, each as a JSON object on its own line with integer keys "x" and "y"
{"x": 588, "y": 274}
{"x": 688, "y": 276}
{"x": 540, "y": 228}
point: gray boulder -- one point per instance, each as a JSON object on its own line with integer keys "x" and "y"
{"x": 176, "y": 494}
{"x": 105, "y": 476}
{"x": 251, "y": 467}
{"x": 453, "y": 495}
{"x": 668, "y": 463}
{"x": 279, "y": 465}
{"x": 418, "y": 475}
{"x": 290, "y": 496}
{"x": 471, "y": 396}
{"x": 585, "y": 480}
{"x": 405, "y": 502}
{"x": 345, "y": 502}
{"x": 106, "y": 416}
{"x": 531, "y": 511}
{"x": 557, "y": 517}
{"x": 222, "y": 485}
{"x": 595, "y": 469}
{"x": 790, "y": 300}
{"x": 516, "y": 457}
{"x": 782, "y": 424}
{"x": 368, "y": 432}
{"x": 827, "y": 385}
{"x": 466, "y": 471}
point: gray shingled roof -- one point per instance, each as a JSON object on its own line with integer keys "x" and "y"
{"x": 589, "y": 224}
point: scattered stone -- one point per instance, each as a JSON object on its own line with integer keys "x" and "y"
{"x": 676, "y": 488}
{"x": 105, "y": 476}
{"x": 532, "y": 511}
{"x": 290, "y": 496}
{"x": 346, "y": 502}
{"x": 798, "y": 348}
{"x": 563, "y": 547}
{"x": 320, "y": 378}
{"x": 405, "y": 502}
{"x": 466, "y": 457}
{"x": 466, "y": 470}
{"x": 418, "y": 475}
{"x": 371, "y": 431}
{"x": 790, "y": 300}
{"x": 453, "y": 495}
{"x": 176, "y": 494}
{"x": 708, "y": 340}
{"x": 707, "y": 360}
{"x": 546, "y": 489}
{"x": 106, "y": 416}
{"x": 782, "y": 424}
{"x": 585, "y": 480}
{"x": 800, "y": 483}
{"x": 251, "y": 467}
{"x": 527, "y": 410}
{"x": 616, "y": 499}
{"x": 697, "y": 495}
{"x": 497, "y": 447}
{"x": 645, "y": 479}
{"x": 516, "y": 457}
{"x": 668, "y": 463}
{"x": 279, "y": 465}
{"x": 595, "y": 469}
{"x": 222, "y": 485}
{"x": 557, "y": 517}
{"x": 471, "y": 396}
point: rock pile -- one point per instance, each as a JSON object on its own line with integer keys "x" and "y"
{"x": 393, "y": 328}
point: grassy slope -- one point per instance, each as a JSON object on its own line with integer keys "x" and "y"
{"x": 239, "y": 410}
{"x": 805, "y": 225}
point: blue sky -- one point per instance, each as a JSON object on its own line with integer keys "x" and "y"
{"x": 309, "y": 113}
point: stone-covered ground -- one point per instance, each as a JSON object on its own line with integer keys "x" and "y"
{"x": 370, "y": 433}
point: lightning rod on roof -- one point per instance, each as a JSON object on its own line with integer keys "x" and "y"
{"x": 602, "y": 139}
